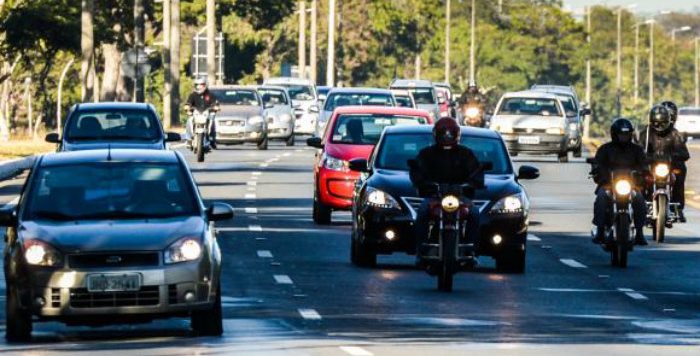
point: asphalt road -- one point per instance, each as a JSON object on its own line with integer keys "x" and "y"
{"x": 289, "y": 287}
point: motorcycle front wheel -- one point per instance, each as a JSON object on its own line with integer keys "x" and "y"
{"x": 448, "y": 262}
{"x": 620, "y": 251}
{"x": 200, "y": 147}
{"x": 660, "y": 222}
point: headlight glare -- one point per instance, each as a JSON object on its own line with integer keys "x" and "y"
{"x": 38, "y": 253}
{"x": 472, "y": 112}
{"x": 183, "y": 250}
{"x": 285, "y": 118}
{"x": 511, "y": 204}
{"x": 573, "y": 126}
{"x": 378, "y": 199}
{"x": 623, "y": 187}
{"x": 555, "y": 131}
{"x": 450, "y": 203}
{"x": 661, "y": 170}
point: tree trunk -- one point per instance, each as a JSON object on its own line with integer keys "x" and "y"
{"x": 87, "y": 50}
{"x": 175, "y": 59}
{"x": 112, "y": 72}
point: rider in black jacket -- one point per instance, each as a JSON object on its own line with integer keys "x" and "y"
{"x": 621, "y": 153}
{"x": 201, "y": 99}
{"x": 445, "y": 162}
{"x": 661, "y": 139}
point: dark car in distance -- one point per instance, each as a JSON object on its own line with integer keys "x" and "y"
{"x": 92, "y": 126}
{"x": 111, "y": 236}
{"x": 386, "y": 203}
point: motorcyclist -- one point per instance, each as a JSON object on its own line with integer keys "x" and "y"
{"x": 660, "y": 138}
{"x": 472, "y": 97}
{"x": 620, "y": 153}
{"x": 445, "y": 162}
{"x": 201, "y": 99}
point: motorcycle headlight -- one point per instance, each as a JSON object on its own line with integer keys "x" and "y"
{"x": 623, "y": 187}
{"x": 183, "y": 250}
{"x": 378, "y": 199}
{"x": 254, "y": 120}
{"x": 39, "y": 253}
{"x": 555, "y": 131}
{"x": 472, "y": 112}
{"x": 335, "y": 164}
{"x": 511, "y": 204}
{"x": 450, "y": 203}
{"x": 661, "y": 170}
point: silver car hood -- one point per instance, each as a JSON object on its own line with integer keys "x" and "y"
{"x": 528, "y": 121}
{"x": 278, "y": 110}
{"x": 239, "y": 111}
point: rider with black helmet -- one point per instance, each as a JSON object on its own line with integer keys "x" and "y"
{"x": 445, "y": 162}
{"x": 621, "y": 153}
{"x": 660, "y": 138}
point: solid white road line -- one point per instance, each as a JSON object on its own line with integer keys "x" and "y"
{"x": 256, "y": 173}
{"x": 250, "y": 196}
{"x": 252, "y": 184}
{"x": 309, "y": 314}
{"x": 250, "y": 189}
{"x": 176, "y": 146}
{"x": 572, "y": 263}
{"x": 632, "y": 294}
{"x": 263, "y": 165}
{"x": 531, "y": 237}
{"x": 255, "y": 228}
{"x": 283, "y": 279}
{"x": 251, "y": 210}
{"x": 264, "y": 254}
{"x": 355, "y": 351}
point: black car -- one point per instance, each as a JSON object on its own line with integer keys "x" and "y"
{"x": 386, "y": 202}
{"x": 116, "y": 125}
{"x": 111, "y": 236}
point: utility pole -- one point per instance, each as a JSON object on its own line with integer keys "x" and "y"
{"x": 301, "y": 62}
{"x": 175, "y": 59}
{"x": 59, "y": 101}
{"x": 167, "y": 78}
{"x": 28, "y": 101}
{"x": 314, "y": 40}
{"x": 330, "y": 67}
{"x": 651, "y": 62}
{"x": 472, "y": 76}
{"x": 676, "y": 30}
{"x": 636, "y": 63}
{"x": 417, "y": 66}
{"x": 139, "y": 36}
{"x": 618, "y": 79}
{"x": 697, "y": 72}
{"x": 587, "y": 119}
{"x": 87, "y": 46}
{"x": 447, "y": 40}
{"x": 211, "y": 42}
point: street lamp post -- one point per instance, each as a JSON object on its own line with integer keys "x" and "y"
{"x": 636, "y": 63}
{"x": 302, "y": 39}
{"x": 472, "y": 78}
{"x": 330, "y": 66}
{"x": 677, "y": 30}
{"x": 651, "y": 60}
{"x": 59, "y": 100}
{"x": 618, "y": 81}
{"x": 697, "y": 71}
{"x": 447, "y": 40}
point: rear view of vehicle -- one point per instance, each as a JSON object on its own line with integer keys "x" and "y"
{"x": 304, "y": 100}
{"x": 688, "y": 121}
{"x": 279, "y": 114}
{"x": 423, "y": 93}
{"x": 241, "y": 117}
{"x": 340, "y": 97}
{"x": 532, "y": 122}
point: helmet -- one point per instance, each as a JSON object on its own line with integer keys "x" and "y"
{"x": 473, "y": 88}
{"x": 660, "y": 118}
{"x": 446, "y": 132}
{"x": 673, "y": 110}
{"x": 200, "y": 85}
{"x": 621, "y": 131}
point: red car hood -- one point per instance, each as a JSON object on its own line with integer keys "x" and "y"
{"x": 348, "y": 152}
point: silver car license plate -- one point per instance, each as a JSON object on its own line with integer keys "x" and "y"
{"x": 529, "y": 140}
{"x": 113, "y": 282}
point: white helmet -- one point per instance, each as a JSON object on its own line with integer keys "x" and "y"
{"x": 200, "y": 85}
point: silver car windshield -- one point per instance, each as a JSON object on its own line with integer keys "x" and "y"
{"x": 237, "y": 97}
{"x": 272, "y": 96}
{"x": 111, "y": 124}
{"x": 529, "y": 106}
{"x": 300, "y": 92}
{"x": 110, "y": 190}
{"x": 355, "y": 99}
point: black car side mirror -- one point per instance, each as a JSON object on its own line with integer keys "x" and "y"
{"x": 52, "y": 138}
{"x": 8, "y": 216}
{"x": 528, "y": 172}
{"x": 586, "y": 112}
{"x": 314, "y": 142}
{"x": 219, "y": 211}
{"x": 359, "y": 165}
{"x": 172, "y": 137}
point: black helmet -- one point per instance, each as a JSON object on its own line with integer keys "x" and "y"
{"x": 660, "y": 118}
{"x": 673, "y": 110}
{"x": 447, "y": 132}
{"x": 621, "y": 131}
{"x": 473, "y": 88}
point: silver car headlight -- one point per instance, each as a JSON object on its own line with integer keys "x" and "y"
{"x": 39, "y": 253}
{"x": 255, "y": 120}
{"x": 183, "y": 250}
{"x": 285, "y": 118}
{"x": 379, "y": 199}
{"x": 511, "y": 204}
{"x": 334, "y": 164}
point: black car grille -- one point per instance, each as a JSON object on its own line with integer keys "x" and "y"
{"x": 114, "y": 260}
{"x": 172, "y": 294}
{"x": 529, "y": 130}
{"x": 415, "y": 203}
{"x": 81, "y": 298}
{"x": 55, "y": 297}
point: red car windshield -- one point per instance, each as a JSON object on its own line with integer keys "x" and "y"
{"x": 362, "y": 129}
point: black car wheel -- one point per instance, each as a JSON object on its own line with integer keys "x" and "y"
{"x": 18, "y": 325}
{"x": 209, "y": 322}
{"x": 511, "y": 262}
{"x": 578, "y": 152}
{"x": 321, "y": 213}
{"x": 262, "y": 145}
{"x": 290, "y": 140}
{"x": 361, "y": 254}
{"x": 563, "y": 157}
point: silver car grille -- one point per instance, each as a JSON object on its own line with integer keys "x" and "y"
{"x": 413, "y": 204}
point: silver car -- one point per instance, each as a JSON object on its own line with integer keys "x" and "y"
{"x": 338, "y": 97}
{"x": 574, "y": 112}
{"x": 423, "y": 93}
{"x": 304, "y": 100}
{"x": 279, "y": 113}
{"x": 241, "y": 118}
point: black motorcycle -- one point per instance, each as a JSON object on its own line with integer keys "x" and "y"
{"x": 661, "y": 213}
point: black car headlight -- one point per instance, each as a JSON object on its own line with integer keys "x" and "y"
{"x": 39, "y": 253}
{"x": 512, "y": 204}
{"x": 379, "y": 199}
{"x": 183, "y": 250}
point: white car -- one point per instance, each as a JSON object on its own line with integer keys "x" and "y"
{"x": 304, "y": 100}
{"x": 688, "y": 121}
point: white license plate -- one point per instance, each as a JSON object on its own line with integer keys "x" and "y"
{"x": 113, "y": 282}
{"x": 529, "y": 140}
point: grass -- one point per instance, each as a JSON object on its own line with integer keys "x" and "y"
{"x": 18, "y": 148}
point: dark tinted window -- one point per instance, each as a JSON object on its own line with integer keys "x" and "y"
{"x": 357, "y": 99}
{"x": 366, "y": 129}
{"x": 422, "y": 95}
{"x": 300, "y": 92}
{"x": 110, "y": 190}
{"x": 404, "y": 101}
{"x": 397, "y": 149}
{"x": 237, "y": 97}
{"x": 113, "y": 124}
{"x": 529, "y": 106}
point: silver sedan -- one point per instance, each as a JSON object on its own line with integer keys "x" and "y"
{"x": 279, "y": 113}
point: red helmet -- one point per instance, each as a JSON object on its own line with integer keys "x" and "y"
{"x": 446, "y": 132}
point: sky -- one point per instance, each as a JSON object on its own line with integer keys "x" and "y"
{"x": 643, "y": 6}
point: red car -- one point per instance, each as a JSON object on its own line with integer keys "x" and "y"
{"x": 444, "y": 94}
{"x": 352, "y": 132}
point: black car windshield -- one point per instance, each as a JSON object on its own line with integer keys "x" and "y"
{"x": 529, "y": 106}
{"x": 237, "y": 97}
{"x": 422, "y": 95}
{"x": 358, "y": 99}
{"x": 300, "y": 92}
{"x": 113, "y": 124}
{"x": 361, "y": 129}
{"x": 273, "y": 96}
{"x": 396, "y": 149}
{"x": 403, "y": 101}
{"x": 110, "y": 190}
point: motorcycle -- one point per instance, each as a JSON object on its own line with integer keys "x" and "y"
{"x": 661, "y": 213}
{"x": 619, "y": 237}
{"x": 472, "y": 116}
{"x": 201, "y": 125}
{"x": 448, "y": 248}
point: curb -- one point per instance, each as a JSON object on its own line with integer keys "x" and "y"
{"x": 12, "y": 167}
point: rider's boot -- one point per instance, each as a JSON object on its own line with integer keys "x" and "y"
{"x": 599, "y": 237}
{"x": 681, "y": 216}
{"x": 639, "y": 239}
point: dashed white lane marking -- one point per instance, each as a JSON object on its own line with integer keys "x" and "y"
{"x": 263, "y": 165}
{"x": 283, "y": 279}
{"x": 298, "y": 150}
{"x": 251, "y": 210}
{"x": 256, "y": 173}
{"x": 355, "y": 351}
{"x": 252, "y": 184}
{"x": 287, "y": 154}
{"x": 250, "y": 196}
{"x": 531, "y": 237}
{"x": 632, "y": 294}
{"x": 255, "y": 228}
{"x": 572, "y": 263}
{"x": 309, "y": 314}
{"x": 264, "y": 254}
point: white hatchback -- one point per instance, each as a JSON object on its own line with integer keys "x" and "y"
{"x": 689, "y": 121}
